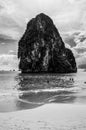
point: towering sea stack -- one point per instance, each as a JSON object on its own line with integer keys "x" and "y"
{"x": 41, "y": 49}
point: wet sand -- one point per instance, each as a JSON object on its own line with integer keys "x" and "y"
{"x": 29, "y": 102}
{"x": 46, "y": 117}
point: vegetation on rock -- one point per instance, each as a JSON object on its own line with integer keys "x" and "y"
{"x": 41, "y": 48}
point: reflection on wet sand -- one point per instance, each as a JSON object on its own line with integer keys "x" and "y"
{"x": 36, "y": 90}
{"x": 42, "y": 89}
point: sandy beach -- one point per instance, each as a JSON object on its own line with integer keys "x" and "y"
{"x": 47, "y": 117}
{"x": 26, "y": 104}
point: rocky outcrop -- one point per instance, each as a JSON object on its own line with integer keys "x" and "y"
{"x": 41, "y": 48}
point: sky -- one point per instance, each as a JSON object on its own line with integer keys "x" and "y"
{"x": 67, "y": 14}
{"x": 69, "y": 17}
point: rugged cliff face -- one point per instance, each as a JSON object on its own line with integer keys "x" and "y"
{"x": 41, "y": 48}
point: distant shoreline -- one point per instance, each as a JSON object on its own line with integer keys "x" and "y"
{"x": 83, "y": 70}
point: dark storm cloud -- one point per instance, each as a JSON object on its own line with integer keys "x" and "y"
{"x": 69, "y": 40}
{"x": 1, "y": 7}
{"x": 6, "y": 39}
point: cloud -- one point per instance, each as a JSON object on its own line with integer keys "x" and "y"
{"x": 79, "y": 46}
{"x": 76, "y": 39}
{"x": 12, "y": 52}
{"x": 71, "y": 1}
{"x": 8, "y": 43}
{"x": 68, "y": 16}
{"x": 80, "y": 40}
{"x": 69, "y": 39}
{"x": 6, "y": 39}
{"x": 1, "y": 7}
{"x": 81, "y": 61}
{"x": 9, "y": 24}
{"x": 8, "y": 62}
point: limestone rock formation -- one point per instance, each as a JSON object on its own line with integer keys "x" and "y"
{"x": 41, "y": 49}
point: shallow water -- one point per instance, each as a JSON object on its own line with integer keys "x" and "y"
{"x": 28, "y": 91}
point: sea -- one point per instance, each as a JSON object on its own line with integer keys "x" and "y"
{"x": 30, "y": 91}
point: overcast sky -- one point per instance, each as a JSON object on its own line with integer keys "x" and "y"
{"x": 68, "y": 15}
